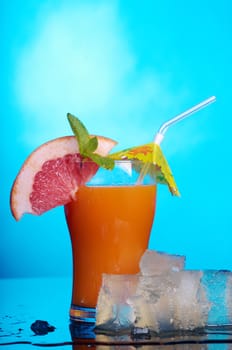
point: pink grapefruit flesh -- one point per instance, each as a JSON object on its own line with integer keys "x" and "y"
{"x": 51, "y": 175}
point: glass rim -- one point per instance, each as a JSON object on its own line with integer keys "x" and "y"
{"x": 124, "y": 172}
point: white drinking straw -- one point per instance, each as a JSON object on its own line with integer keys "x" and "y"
{"x": 162, "y": 130}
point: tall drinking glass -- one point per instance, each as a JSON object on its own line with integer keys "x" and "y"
{"x": 109, "y": 222}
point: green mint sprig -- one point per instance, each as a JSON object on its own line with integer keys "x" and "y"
{"x": 88, "y": 144}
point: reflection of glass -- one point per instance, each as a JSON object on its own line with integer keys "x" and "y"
{"x": 110, "y": 222}
{"x": 84, "y": 338}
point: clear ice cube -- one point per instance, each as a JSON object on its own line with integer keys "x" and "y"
{"x": 161, "y": 303}
{"x": 155, "y": 263}
{"x": 229, "y": 297}
{"x": 113, "y": 311}
{"x": 172, "y": 301}
{"x": 164, "y": 297}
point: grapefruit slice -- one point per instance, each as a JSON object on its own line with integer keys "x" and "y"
{"x": 51, "y": 175}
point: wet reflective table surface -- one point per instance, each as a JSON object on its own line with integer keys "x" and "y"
{"x": 24, "y": 301}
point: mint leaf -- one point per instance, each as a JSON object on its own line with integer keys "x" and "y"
{"x": 88, "y": 144}
{"x": 79, "y": 131}
{"x": 92, "y": 144}
{"x": 104, "y": 162}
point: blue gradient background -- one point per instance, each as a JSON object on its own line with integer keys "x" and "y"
{"x": 123, "y": 67}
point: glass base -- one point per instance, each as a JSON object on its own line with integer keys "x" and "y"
{"x": 82, "y": 314}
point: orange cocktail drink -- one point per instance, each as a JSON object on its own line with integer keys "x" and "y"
{"x": 109, "y": 222}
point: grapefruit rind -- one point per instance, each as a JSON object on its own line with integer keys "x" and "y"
{"x": 58, "y": 148}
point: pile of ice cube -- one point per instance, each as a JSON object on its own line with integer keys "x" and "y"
{"x": 163, "y": 297}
